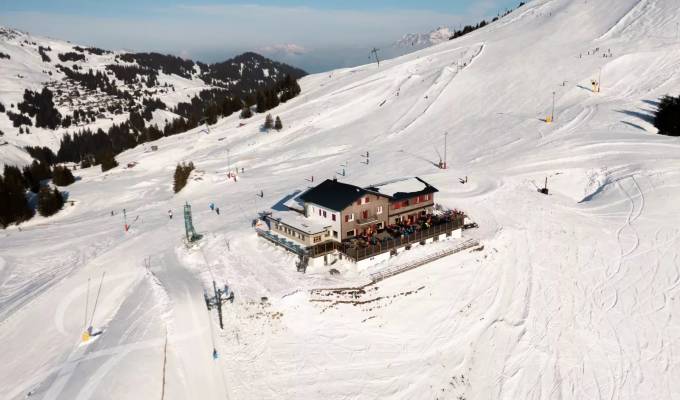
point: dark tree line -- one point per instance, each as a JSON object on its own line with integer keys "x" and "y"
{"x": 471, "y": 28}
{"x": 2, "y": 108}
{"x": 13, "y": 197}
{"x": 71, "y": 56}
{"x": 129, "y": 73}
{"x": 667, "y": 118}
{"x": 4, "y": 55}
{"x": 161, "y": 62}
{"x": 43, "y": 53}
{"x": 35, "y": 174}
{"x": 92, "y": 50}
{"x": 15, "y": 207}
{"x": 41, "y": 106}
{"x": 19, "y": 119}
{"x": 43, "y": 154}
{"x": 182, "y": 172}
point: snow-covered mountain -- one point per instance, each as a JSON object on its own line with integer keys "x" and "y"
{"x": 120, "y": 81}
{"x": 575, "y": 295}
{"x": 420, "y": 40}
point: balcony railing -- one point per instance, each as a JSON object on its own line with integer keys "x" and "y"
{"x": 359, "y": 252}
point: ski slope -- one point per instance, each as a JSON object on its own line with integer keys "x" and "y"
{"x": 575, "y": 295}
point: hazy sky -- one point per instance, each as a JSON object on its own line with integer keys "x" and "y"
{"x": 315, "y": 35}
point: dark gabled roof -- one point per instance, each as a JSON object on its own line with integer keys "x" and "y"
{"x": 398, "y": 195}
{"x": 333, "y": 195}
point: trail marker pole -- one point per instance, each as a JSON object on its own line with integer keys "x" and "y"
{"x": 552, "y": 113}
{"x": 599, "y": 81}
{"x": 446, "y": 135}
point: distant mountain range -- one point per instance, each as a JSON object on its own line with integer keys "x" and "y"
{"x": 421, "y": 40}
{"x": 93, "y": 87}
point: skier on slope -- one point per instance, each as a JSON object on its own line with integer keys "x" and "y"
{"x": 217, "y": 210}
{"x": 214, "y": 354}
{"x": 170, "y": 214}
{"x": 212, "y": 206}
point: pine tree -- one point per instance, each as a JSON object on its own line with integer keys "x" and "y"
{"x": 261, "y": 102}
{"x": 667, "y": 118}
{"x": 106, "y": 159}
{"x": 268, "y": 122}
{"x": 246, "y": 112}
{"x": 34, "y": 174}
{"x": 182, "y": 172}
{"x": 49, "y": 201}
{"x": 15, "y": 206}
{"x": 278, "y": 125}
{"x": 62, "y": 176}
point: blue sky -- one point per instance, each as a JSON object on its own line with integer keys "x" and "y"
{"x": 315, "y": 35}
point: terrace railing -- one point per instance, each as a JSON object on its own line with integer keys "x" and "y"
{"x": 359, "y": 252}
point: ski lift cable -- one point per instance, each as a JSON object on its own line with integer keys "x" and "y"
{"x": 97, "y": 298}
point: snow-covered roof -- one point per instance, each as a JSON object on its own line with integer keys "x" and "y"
{"x": 403, "y": 187}
{"x": 295, "y": 202}
{"x": 299, "y": 222}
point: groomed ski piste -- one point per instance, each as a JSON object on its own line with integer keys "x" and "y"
{"x": 575, "y": 295}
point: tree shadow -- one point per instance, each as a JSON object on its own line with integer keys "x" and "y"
{"x": 654, "y": 103}
{"x": 645, "y": 115}
{"x": 633, "y": 125}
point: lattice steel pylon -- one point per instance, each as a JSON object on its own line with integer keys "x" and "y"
{"x": 192, "y": 236}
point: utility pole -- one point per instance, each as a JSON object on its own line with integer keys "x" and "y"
{"x": 374, "y": 52}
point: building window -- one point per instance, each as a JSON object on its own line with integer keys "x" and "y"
{"x": 365, "y": 214}
{"x": 335, "y": 234}
{"x": 379, "y": 210}
{"x": 350, "y": 233}
{"x": 324, "y": 214}
{"x": 327, "y": 234}
{"x": 368, "y": 199}
{"x": 417, "y": 200}
{"x": 347, "y": 218}
{"x": 317, "y": 239}
{"x": 405, "y": 203}
{"x": 333, "y": 217}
